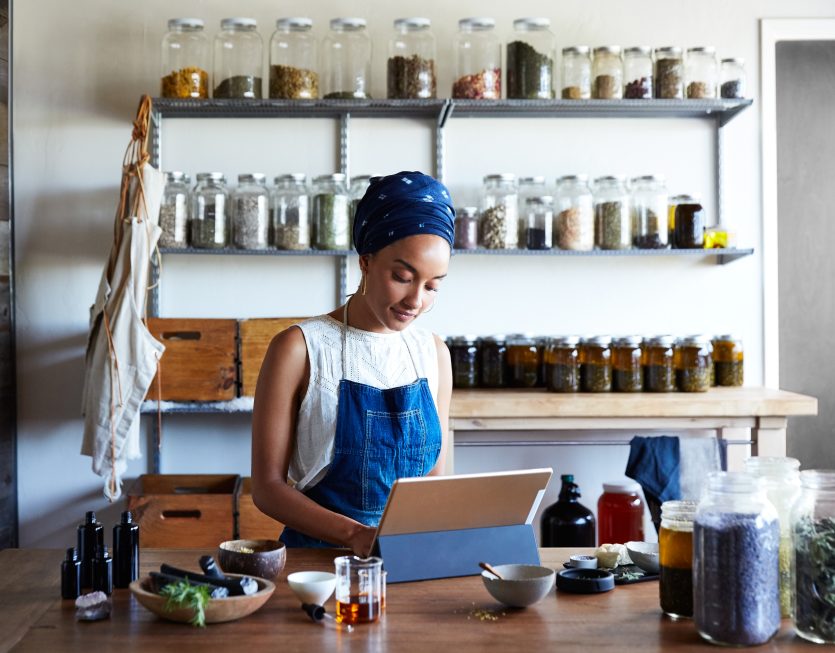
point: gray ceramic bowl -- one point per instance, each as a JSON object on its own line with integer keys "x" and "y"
{"x": 262, "y": 558}
{"x": 645, "y": 555}
{"x": 522, "y": 585}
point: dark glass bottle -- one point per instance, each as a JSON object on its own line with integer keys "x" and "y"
{"x": 125, "y": 551}
{"x": 103, "y": 571}
{"x": 90, "y": 541}
{"x": 567, "y": 522}
{"x": 70, "y": 576}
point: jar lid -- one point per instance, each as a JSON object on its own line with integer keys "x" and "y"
{"x": 520, "y": 338}
{"x": 529, "y": 181}
{"x": 504, "y": 176}
{"x": 733, "y": 482}
{"x": 530, "y": 23}
{"x": 573, "y": 178}
{"x": 412, "y": 24}
{"x": 726, "y": 337}
{"x": 336, "y": 176}
{"x": 704, "y": 49}
{"x": 628, "y": 341}
{"x": 213, "y": 176}
{"x": 476, "y": 23}
{"x": 496, "y": 337}
{"x": 679, "y": 509}
{"x": 576, "y": 49}
{"x": 176, "y": 175}
{"x": 252, "y": 177}
{"x": 298, "y": 177}
{"x": 639, "y": 49}
{"x": 645, "y": 178}
{"x": 666, "y": 340}
{"x": 609, "y": 179}
{"x": 565, "y": 341}
{"x": 233, "y": 23}
{"x": 542, "y": 200}
{"x": 818, "y": 479}
{"x": 622, "y": 487}
{"x": 737, "y": 60}
{"x": 188, "y": 23}
{"x": 683, "y": 199}
{"x": 347, "y": 24}
{"x": 607, "y": 49}
{"x": 460, "y": 340}
{"x": 697, "y": 340}
{"x": 668, "y": 51}
{"x": 467, "y": 212}
{"x": 772, "y": 466}
{"x": 601, "y": 341}
{"x": 294, "y": 23}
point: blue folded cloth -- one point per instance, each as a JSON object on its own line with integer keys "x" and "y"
{"x": 654, "y": 463}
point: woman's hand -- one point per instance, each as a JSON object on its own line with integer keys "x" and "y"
{"x": 362, "y": 539}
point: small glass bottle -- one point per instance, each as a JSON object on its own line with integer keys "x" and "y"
{"x": 70, "y": 575}
{"x": 620, "y": 514}
{"x": 567, "y": 523}
{"x": 522, "y": 361}
{"x": 293, "y": 60}
{"x": 607, "y": 73}
{"x": 466, "y": 227}
{"x": 539, "y": 214}
{"x": 689, "y": 226}
{"x": 576, "y": 73}
{"x": 675, "y": 558}
{"x": 209, "y": 223}
{"x": 251, "y": 212}
{"x": 669, "y": 73}
{"x": 185, "y": 60}
{"x": 657, "y": 363}
{"x": 331, "y": 204}
{"x": 410, "y": 69}
{"x": 732, "y": 78}
{"x": 463, "y": 352}
{"x": 125, "y": 551}
{"x": 649, "y": 212}
{"x": 173, "y": 211}
{"x": 728, "y": 361}
{"x": 562, "y": 365}
{"x": 701, "y": 73}
{"x": 493, "y": 361}
{"x": 359, "y": 184}
{"x": 595, "y": 357}
{"x": 637, "y": 73}
{"x": 346, "y": 60}
{"x": 627, "y": 375}
{"x": 574, "y": 219}
{"x": 499, "y": 221}
{"x": 478, "y": 61}
{"x": 291, "y": 212}
{"x": 693, "y": 364}
{"x": 90, "y": 534}
{"x": 103, "y": 571}
{"x": 530, "y": 60}
{"x": 238, "y": 59}
{"x": 612, "y": 223}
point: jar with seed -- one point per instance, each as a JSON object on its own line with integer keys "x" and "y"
{"x": 522, "y": 361}
{"x": 528, "y": 187}
{"x": 672, "y": 203}
{"x": 637, "y": 73}
{"x": 209, "y": 222}
{"x": 595, "y": 355}
{"x": 291, "y": 212}
{"x": 607, "y": 73}
{"x": 539, "y": 214}
{"x": 669, "y": 73}
{"x": 466, "y": 228}
{"x": 251, "y": 212}
{"x": 410, "y": 69}
{"x": 612, "y": 223}
{"x": 530, "y": 60}
{"x": 574, "y": 213}
{"x": 185, "y": 60}
{"x": 492, "y": 354}
{"x": 576, "y": 73}
{"x": 346, "y": 60}
{"x": 499, "y": 222}
{"x": 701, "y": 73}
{"x": 173, "y": 210}
{"x": 728, "y": 361}
{"x": 689, "y": 227}
{"x": 732, "y": 78}
{"x": 238, "y": 59}
{"x": 562, "y": 364}
{"x": 627, "y": 375}
{"x": 693, "y": 364}
{"x": 359, "y": 184}
{"x": 293, "y": 60}
{"x": 649, "y": 212}
{"x": 657, "y": 364}
{"x": 331, "y": 204}
{"x": 463, "y": 352}
{"x": 478, "y": 61}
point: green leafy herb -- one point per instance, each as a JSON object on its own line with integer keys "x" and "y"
{"x": 184, "y": 594}
{"x": 815, "y": 577}
{"x": 631, "y": 575}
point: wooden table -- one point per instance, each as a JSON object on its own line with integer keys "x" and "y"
{"x": 426, "y": 616}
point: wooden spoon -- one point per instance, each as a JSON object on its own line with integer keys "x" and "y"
{"x": 487, "y": 567}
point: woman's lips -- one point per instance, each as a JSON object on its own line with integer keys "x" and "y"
{"x": 403, "y": 316}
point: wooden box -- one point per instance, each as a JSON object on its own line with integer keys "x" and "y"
{"x": 199, "y": 363}
{"x": 256, "y": 335}
{"x": 182, "y": 511}
{"x": 252, "y": 523}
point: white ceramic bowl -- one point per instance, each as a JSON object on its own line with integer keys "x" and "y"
{"x": 645, "y": 555}
{"x": 312, "y": 586}
{"x": 520, "y": 586}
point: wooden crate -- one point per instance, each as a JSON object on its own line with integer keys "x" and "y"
{"x": 252, "y": 523}
{"x": 182, "y": 511}
{"x": 199, "y": 363}
{"x": 256, "y": 335}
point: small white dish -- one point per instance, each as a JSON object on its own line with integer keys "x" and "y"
{"x": 313, "y": 587}
{"x": 645, "y": 555}
{"x": 520, "y": 585}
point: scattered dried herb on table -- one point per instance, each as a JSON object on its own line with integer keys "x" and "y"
{"x": 529, "y": 73}
{"x": 411, "y": 77}
{"x": 486, "y": 84}
{"x": 239, "y": 86}
{"x": 815, "y": 577}
{"x": 291, "y": 83}
{"x": 638, "y": 89}
{"x": 185, "y": 83}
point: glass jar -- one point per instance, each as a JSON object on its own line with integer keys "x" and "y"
{"x": 607, "y": 73}
{"x": 574, "y": 219}
{"x": 620, "y": 514}
{"x": 732, "y": 78}
{"x": 209, "y": 219}
{"x": 463, "y": 352}
{"x": 291, "y": 212}
{"x": 736, "y": 540}
{"x": 478, "y": 61}
{"x": 530, "y": 60}
{"x": 466, "y": 228}
{"x": 493, "y": 361}
{"x": 813, "y": 525}
{"x": 359, "y": 184}
{"x": 251, "y": 212}
{"x": 701, "y": 73}
{"x": 238, "y": 59}
{"x": 562, "y": 364}
{"x": 185, "y": 60}
{"x": 612, "y": 224}
{"x": 672, "y": 203}
{"x": 410, "y": 70}
{"x": 528, "y": 187}
{"x": 728, "y": 361}
{"x": 689, "y": 226}
{"x": 173, "y": 211}
{"x": 669, "y": 73}
{"x": 657, "y": 361}
{"x": 539, "y": 214}
{"x": 293, "y": 62}
{"x": 649, "y": 212}
{"x": 499, "y": 221}
{"x": 541, "y": 347}
{"x": 781, "y": 479}
{"x": 331, "y": 204}
{"x": 675, "y": 558}
{"x": 576, "y": 73}
{"x": 595, "y": 357}
{"x": 346, "y": 60}
{"x": 627, "y": 375}
{"x": 693, "y": 363}
{"x": 522, "y": 361}
{"x": 637, "y": 73}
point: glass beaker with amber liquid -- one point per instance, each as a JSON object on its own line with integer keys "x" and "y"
{"x": 359, "y": 591}
{"x": 675, "y": 557}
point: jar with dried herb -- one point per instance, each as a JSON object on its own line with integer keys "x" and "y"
{"x": 595, "y": 355}
{"x": 359, "y": 184}
{"x": 693, "y": 364}
{"x": 173, "y": 210}
{"x": 675, "y": 558}
{"x": 251, "y": 212}
{"x": 649, "y": 212}
{"x": 701, "y": 73}
{"x": 410, "y": 69}
{"x": 530, "y": 60}
{"x": 499, "y": 221}
{"x": 627, "y": 374}
{"x": 185, "y": 60}
{"x": 612, "y": 223}
{"x": 478, "y": 60}
{"x": 522, "y": 361}
{"x": 689, "y": 227}
{"x": 732, "y": 78}
{"x": 466, "y": 227}
{"x": 607, "y": 73}
{"x": 492, "y": 356}
{"x": 637, "y": 73}
{"x": 576, "y": 73}
{"x": 562, "y": 364}
{"x": 346, "y": 60}
{"x": 209, "y": 223}
{"x": 291, "y": 212}
{"x": 728, "y": 361}
{"x": 238, "y": 59}
{"x": 669, "y": 73}
{"x": 657, "y": 363}
{"x": 574, "y": 213}
{"x": 293, "y": 60}
{"x": 331, "y": 204}
{"x": 463, "y": 352}
{"x": 539, "y": 222}
{"x": 672, "y": 203}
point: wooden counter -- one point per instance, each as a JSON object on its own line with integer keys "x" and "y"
{"x": 427, "y": 616}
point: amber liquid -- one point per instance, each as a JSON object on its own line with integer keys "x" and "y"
{"x": 675, "y": 554}
{"x": 356, "y": 612}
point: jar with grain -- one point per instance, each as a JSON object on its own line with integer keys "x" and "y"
{"x": 478, "y": 61}
{"x": 209, "y": 222}
{"x": 293, "y": 60}
{"x": 657, "y": 363}
{"x": 185, "y": 60}
{"x": 574, "y": 208}
{"x": 466, "y": 228}
{"x": 612, "y": 222}
{"x": 675, "y": 558}
{"x": 522, "y": 361}
{"x": 530, "y": 60}
{"x": 728, "y": 361}
{"x": 410, "y": 69}
{"x": 576, "y": 73}
{"x": 693, "y": 364}
{"x": 499, "y": 221}
{"x": 251, "y": 212}
{"x": 649, "y": 212}
{"x": 732, "y": 78}
{"x": 701, "y": 73}
{"x": 463, "y": 352}
{"x": 331, "y": 204}
{"x": 493, "y": 361}
{"x": 637, "y": 73}
{"x": 346, "y": 60}
{"x": 291, "y": 212}
{"x": 607, "y": 73}
{"x": 689, "y": 226}
{"x": 238, "y": 59}
{"x": 627, "y": 374}
{"x": 669, "y": 73}
{"x": 595, "y": 357}
{"x": 173, "y": 210}
{"x": 562, "y": 364}
{"x": 539, "y": 222}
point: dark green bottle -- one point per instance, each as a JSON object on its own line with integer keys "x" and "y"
{"x": 567, "y": 522}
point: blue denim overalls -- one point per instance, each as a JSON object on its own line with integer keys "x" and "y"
{"x": 381, "y": 435}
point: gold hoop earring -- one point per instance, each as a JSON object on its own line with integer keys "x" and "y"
{"x": 363, "y": 284}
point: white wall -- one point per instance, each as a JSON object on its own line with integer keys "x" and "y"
{"x": 77, "y": 79}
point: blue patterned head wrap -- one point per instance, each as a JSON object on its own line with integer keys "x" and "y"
{"x": 401, "y": 205}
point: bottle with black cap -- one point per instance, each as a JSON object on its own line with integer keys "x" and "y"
{"x": 70, "y": 576}
{"x": 125, "y": 551}
{"x": 103, "y": 571}
{"x": 90, "y": 540}
{"x": 567, "y": 522}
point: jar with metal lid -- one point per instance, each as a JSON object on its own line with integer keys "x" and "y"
{"x": 637, "y": 73}
{"x": 291, "y": 212}
{"x": 478, "y": 60}
{"x": 574, "y": 219}
{"x": 493, "y": 361}
{"x": 689, "y": 226}
{"x": 649, "y": 212}
{"x": 672, "y": 203}
{"x": 530, "y": 60}
{"x": 620, "y": 514}
{"x": 627, "y": 375}
{"x": 612, "y": 223}
{"x": 607, "y": 73}
{"x": 359, "y": 184}
{"x": 466, "y": 228}
{"x": 522, "y": 361}
{"x": 346, "y": 60}
{"x": 595, "y": 357}
{"x": 657, "y": 363}
{"x": 562, "y": 364}
{"x": 701, "y": 73}
{"x": 732, "y": 78}
{"x": 331, "y": 204}
{"x": 410, "y": 69}
{"x": 693, "y": 363}
{"x": 251, "y": 212}
{"x": 736, "y": 541}
{"x": 728, "y": 361}
{"x": 675, "y": 558}
{"x": 528, "y": 187}
{"x": 463, "y": 352}
{"x": 669, "y": 73}
{"x": 576, "y": 73}
{"x": 293, "y": 60}
{"x": 185, "y": 60}
{"x": 173, "y": 211}
{"x": 238, "y": 59}
{"x": 209, "y": 220}
{"x": 499, "y": 221}
{"x": 539, "y": 214}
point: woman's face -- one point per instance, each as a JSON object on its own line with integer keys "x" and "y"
{"x": 403, "y": 279}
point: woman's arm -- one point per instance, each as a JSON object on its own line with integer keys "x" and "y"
{"x": 282, "y": 383}
{"x": 444, "y": 398}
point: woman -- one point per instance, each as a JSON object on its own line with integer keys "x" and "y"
{"x": 349, "y": 401}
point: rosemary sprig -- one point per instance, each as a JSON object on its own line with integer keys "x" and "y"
{"x": 184, "y": 594}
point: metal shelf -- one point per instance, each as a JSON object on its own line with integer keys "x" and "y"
{"x": 725, "y": 255}
{"x": 272, "y": 251}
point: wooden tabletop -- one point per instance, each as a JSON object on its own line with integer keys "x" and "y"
{"x": 439, "y": 615}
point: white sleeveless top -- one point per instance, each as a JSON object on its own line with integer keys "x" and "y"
{"x": 376, "y": 359}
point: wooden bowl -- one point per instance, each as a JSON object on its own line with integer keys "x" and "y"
{"x": 217, "y": 610}
{"x": 261, "y": 558}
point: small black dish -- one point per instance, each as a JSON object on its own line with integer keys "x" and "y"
{"x": 585, "y": 581}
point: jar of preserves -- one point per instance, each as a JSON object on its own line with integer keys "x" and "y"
{"x": 669, "y": 73}
{"x": 209, "y": 220}
{"x": 293, "y": 60}
{"x": 291, "y": 212}
{"x": 359, "y": 184}
{"x": 251, "y": 212}
{"x": 689, "y": 226}
{"x": 522, "y": 361}
{"x": 607, "y": 73}
{"x": 637, "y": 73}
{"x": 238, "y": 59}
{"x": 530, "y": 60}
{"x": 620, "y": 513}
{"x": 346, "y": 60}
{"x": 478, "y": 61}
{"x": 576, "y": 73}
{"x": 675, "y": 558}
{"x": 541, "y": 347}
{"x": 693, "y": 364}
{"x": 331, "y": 204}
{"x": 649, "y": 212}
{"x": 185, "y": 60}
{"x": 539, "y": 215}
{"x": 728, "y": 361}
{"x": 410, "y": 70}
{"x": 574, "y": 219}
{"x": 732, "y": 78}
{"x": 627, "y": 374}
{"x": 736, "y": 539}
{"x": 499, "y": 221}
{"x": 463, "y": 352}
{"x": 657, "y": 361}
{"x": 466, "y": 228}
{"x": 493, "y": 361}
{"x": 173, "y": 211}
{"x": 612, "y": 223}
{"x": 701, "y": 73}
{"x": 562, "y": 364}
{"x": 595, "y": 357}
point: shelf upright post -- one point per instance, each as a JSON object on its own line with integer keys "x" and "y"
{"x": 152, "y": 297}
{"x": 718, "y": 168}
{"x": 344, "y": 168}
